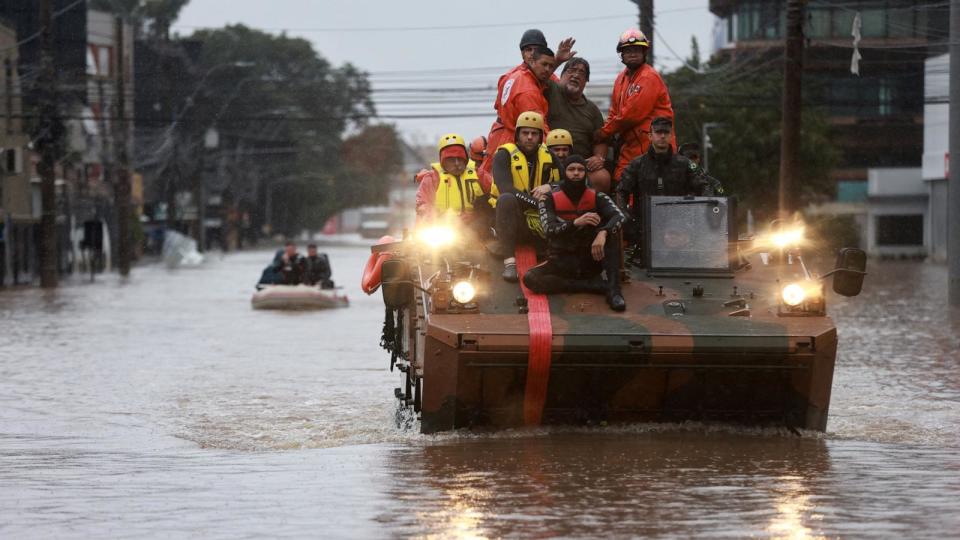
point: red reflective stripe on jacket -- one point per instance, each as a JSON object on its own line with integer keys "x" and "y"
{"x": 636, "y": 100}
{"x": 564, "y": 206}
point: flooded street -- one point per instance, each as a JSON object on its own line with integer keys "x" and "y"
{"x": 166, "y": 406}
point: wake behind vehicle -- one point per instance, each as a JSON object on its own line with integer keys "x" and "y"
{"x": 716, "y": 329}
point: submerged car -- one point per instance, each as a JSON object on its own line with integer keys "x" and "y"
{"x": 716, "y": 329}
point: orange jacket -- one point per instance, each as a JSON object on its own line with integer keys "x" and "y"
{"x": 518, "y": 91}
{"x": 636, "y": 100}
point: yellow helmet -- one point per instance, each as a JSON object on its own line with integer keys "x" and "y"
{"x": 530, "y": 119}
{"x": 451, "y": 139}
{"x": 559, "y": 137}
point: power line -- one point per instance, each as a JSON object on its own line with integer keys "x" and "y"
{"x": 449, "y": 27}
{"x": 55, "y": 15}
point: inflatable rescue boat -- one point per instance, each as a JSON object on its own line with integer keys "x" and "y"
{"x": 297, "y": 297}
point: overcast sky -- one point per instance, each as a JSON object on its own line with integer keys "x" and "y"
{"x": 410, "y": 48}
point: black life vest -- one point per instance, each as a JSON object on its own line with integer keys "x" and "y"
{"x": 564, "y": 206}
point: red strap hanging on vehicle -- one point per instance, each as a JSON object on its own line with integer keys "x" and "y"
{"x": 541, "y": 336}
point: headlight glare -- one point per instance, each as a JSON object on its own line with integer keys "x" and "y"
{"x": 793, "y": 294}
{"x": 787, "y": 238}
{"x": 437, "y": 236}
{"x": 464, "y": 292}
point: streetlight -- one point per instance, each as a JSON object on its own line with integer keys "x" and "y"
{"x": 211, "y": 140}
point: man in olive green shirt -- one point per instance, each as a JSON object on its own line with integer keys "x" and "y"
{"x": 572, "y": 111}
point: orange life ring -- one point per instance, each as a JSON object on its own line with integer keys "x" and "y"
{"x": 371, "y": 272}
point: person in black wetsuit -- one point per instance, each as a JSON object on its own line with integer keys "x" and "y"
{"x": 580, "y": 225}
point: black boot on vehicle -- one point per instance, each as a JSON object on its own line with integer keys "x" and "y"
{"x": 615, "y": 301}
{"x": 510, "y": 273}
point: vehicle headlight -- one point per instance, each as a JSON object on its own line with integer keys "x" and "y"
{"x": 437, "y": 236}
{"x": 793, "y": 294}
{"x": 463, "y": 292}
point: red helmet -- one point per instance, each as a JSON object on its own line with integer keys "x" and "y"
{"x": 632, "y": 38}
{"x": 478, "y": 148}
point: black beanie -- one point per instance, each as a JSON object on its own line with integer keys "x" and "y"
{"x": 573, "y": 158}
{"x": 573, "y": 189}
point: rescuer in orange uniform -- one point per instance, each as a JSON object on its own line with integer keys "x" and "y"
{"x": 639, "y": 96}
{"x": 520, "y": 89}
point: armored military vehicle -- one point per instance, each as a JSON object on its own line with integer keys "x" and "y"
{"x": 717, "y": 329}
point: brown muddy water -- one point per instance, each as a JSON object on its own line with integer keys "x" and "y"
{"x": 166, "y": 407}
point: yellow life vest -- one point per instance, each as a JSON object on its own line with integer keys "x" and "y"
{"x": 457, "y": 194}
{"x": 521, "y": 178}
{"x": 518, "y": 168}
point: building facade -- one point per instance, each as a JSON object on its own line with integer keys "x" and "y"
{"x": 86, "y": 57}
{"x": 19, "y": 200}
{"x": 877, "y": 115}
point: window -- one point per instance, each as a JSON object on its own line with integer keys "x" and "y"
{"x": 869, "y": 97}
{"x": 900, "y": 230}
{"x": 900, "y": 22}
{"x": 873, "y": 23}
{"x": 12, "y": 160}
{"x": 104, "y": 65}
{"x": 8, "y": 90}
{"x": 885, "y": 98}
{"x": 818, "y": 23}
{"x": 758, "y": 20}
{"x": 747, "y": 20}
{"x": 851, "y": 191}
{"x": 842, "y": 23}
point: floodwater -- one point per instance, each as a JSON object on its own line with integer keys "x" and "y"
{"x": 166, "y": 407}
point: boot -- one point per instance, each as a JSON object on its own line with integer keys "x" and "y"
{"x": 615, "y": 300}
{"x": 510, "y": 273}
{"x": 615, "y": 295}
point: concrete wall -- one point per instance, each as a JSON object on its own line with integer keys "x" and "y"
{"x": 937, "y": 211}
{"x": 936, "y": 112}
{"x": 897, "y": 192}
{"x": 895, "y": 182}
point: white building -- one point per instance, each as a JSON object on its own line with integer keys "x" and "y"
{"x": 906, "y": 207}
{"x": 936, "y": 114}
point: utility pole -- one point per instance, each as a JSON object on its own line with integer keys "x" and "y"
{"x": 121, "y": 189}
{"x": 953, "y": 183}
{"x": 201, "y": 200}
{"x": 645, "y": 21}
{"x": 790, "y": 126}
{"x": 47, "y": 141}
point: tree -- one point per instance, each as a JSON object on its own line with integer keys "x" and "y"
{"x": 743, "y": 99}
{"x": 282, "y": 111}
{"x": 151, "y": 18}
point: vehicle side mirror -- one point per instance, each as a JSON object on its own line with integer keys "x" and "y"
{"x": 396, "y": 285}
{"x": 849, "y": 271}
